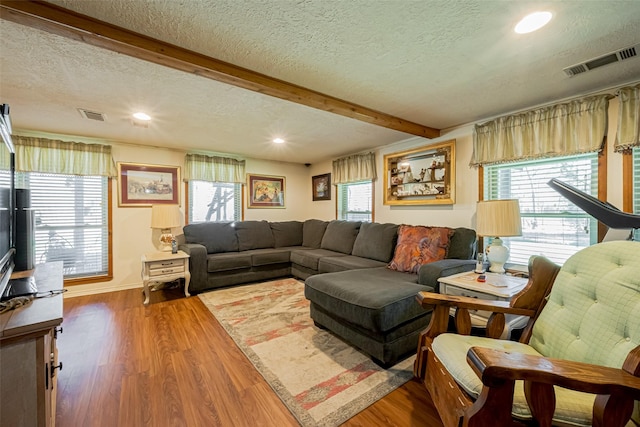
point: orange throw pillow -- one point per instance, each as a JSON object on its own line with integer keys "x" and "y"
{"x": 418, "y": 245}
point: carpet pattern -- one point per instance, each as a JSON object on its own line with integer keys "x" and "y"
{"x": 321, "y": 379}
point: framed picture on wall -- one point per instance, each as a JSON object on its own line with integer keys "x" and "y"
{"x": 145, "y": 185}
{"x": 321, "y": 187}
{"x": 265, "y": 191}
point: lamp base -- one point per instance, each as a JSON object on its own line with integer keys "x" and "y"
{"x": 165, "y": 241}
{"x": 497, "y": 255}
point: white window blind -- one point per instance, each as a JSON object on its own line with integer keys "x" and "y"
{"x": 355, "y": 201}
{"x": 71, "y": 215}
{"x": 551, "y": 225}
{"x": 214, "y": 201}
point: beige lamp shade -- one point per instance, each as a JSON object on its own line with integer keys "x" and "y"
{"x": 165, "y": 217}
{"x": 498, "y": 218}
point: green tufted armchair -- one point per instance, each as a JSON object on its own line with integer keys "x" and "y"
{"x": 577, "y": 363}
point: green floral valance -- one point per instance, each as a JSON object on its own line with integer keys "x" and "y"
{"x": 628, "y": 135}
{"x": 358, "y": 167}
{"x": 575, "y": 127}
{"x": 213, "y": 169}
{"x": 63, "y": 157}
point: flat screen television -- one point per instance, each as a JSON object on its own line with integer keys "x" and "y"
{"x": 7, "y": 201}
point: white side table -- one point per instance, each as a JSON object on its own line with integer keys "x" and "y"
{"x": 165, "y": 267}
{"x": 498, "y": 287}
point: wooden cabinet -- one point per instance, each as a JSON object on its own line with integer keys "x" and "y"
{"x": 29, "y": 357}
{"x": 422, "y": 176}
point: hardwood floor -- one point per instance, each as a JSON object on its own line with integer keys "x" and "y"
{"x": 172, "y": 364}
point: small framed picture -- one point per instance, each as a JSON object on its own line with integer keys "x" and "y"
{"x": 144, "y": 185}
{"x": 265, "y": 191}
{"x": 321, "y": 187}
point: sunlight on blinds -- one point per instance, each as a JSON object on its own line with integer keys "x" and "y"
{"x": 214, "y": 201}
{"x": 551, "y": 225}
{"x": 71, "y": 214}
{"x": 354, "y": 201}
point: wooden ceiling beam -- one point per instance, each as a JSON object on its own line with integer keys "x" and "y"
{"x": 54, "y": 19}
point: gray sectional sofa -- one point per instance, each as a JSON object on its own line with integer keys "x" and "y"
{"x": 344, "y": 265}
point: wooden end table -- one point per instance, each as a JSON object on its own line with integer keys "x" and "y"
{"x": 165, "y": 267}
{"x": 498, "y": 287}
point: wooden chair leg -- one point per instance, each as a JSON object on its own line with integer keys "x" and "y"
{"x": 493, "y": 407}
{"x": 612, "y": 410}
{"x": 541, "y": 399}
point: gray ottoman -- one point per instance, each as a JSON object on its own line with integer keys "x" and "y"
{"x": 373, "y": 309}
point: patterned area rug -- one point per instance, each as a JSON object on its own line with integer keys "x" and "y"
{"x": 321, "y": 379}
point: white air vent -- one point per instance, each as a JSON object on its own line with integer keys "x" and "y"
{"x": 92, "y": 115}
{"x": 609, "y": 58}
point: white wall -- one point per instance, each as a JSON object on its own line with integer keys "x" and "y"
{"x": 132, "y": 235}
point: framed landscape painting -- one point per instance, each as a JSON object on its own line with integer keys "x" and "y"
{"x": 265, "y": 191}
{"x": 321, "y": 185}
{"x": 146, "y": 185}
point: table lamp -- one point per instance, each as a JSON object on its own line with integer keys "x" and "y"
{"x": 165, "y": 217}
{"x": 498, "y": 218}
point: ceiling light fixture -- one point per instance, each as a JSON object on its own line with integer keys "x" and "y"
{"x": 142, "y": 116}
{"x": 532, "y": 22}
{"x": 278, "y": 140}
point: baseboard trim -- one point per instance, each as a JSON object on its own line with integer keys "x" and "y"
{"x": 93, "y": 289}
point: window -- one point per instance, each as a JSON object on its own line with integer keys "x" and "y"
{"x": 355, "y": 201}
{"x": 214, "y": 201}
{"x": 551, "y": 225}
{"x": 71, "y": 221}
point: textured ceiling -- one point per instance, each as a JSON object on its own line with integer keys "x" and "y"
{"x": 438, "y": 63}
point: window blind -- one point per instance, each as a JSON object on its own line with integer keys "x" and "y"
{"x": 354, "y": 201}
{"x": 214, "y": 201}
{"x": 71, "y": 215}
{"x": 551, "y": 225}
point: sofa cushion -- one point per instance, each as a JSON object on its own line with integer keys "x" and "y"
{"x": 309, "y": 258}
{"x": 462, "y": 244}
{"x": 332, "y": 264}
{"x": 228, "y": 261}
{"x": 215, "y": 236}
{"x": 376, "y": 241}
{"x": 253, "y": 235}
{"x": 312, "y": 232}
{"x": 340, "y": 236}
{"x": 418, "y": 245}
{"x": 268, "y": 256}
{"x": 286, "y": 233}
{"x": 376, "y": 299}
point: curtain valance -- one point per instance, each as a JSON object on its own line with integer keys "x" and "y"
{"x": 213, "y": 169}
{"x": 358, "y": 167}
{"x": 64, "y": 157}
{"x": 575, "y": 127}
{"x": 628, "y": 135}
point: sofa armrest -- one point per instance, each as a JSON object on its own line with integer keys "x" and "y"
{"x": 197, "y": 265}
{"x": 429, "y": 274}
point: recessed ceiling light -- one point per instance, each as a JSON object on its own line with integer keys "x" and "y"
{"x": 142, "y": 116}
{"x": 532, "y": 22}
{"x": 278, "y": 140}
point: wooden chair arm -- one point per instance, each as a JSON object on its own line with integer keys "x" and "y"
{"x": 494, "y": 367}
{"x": 427, "y": 299}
